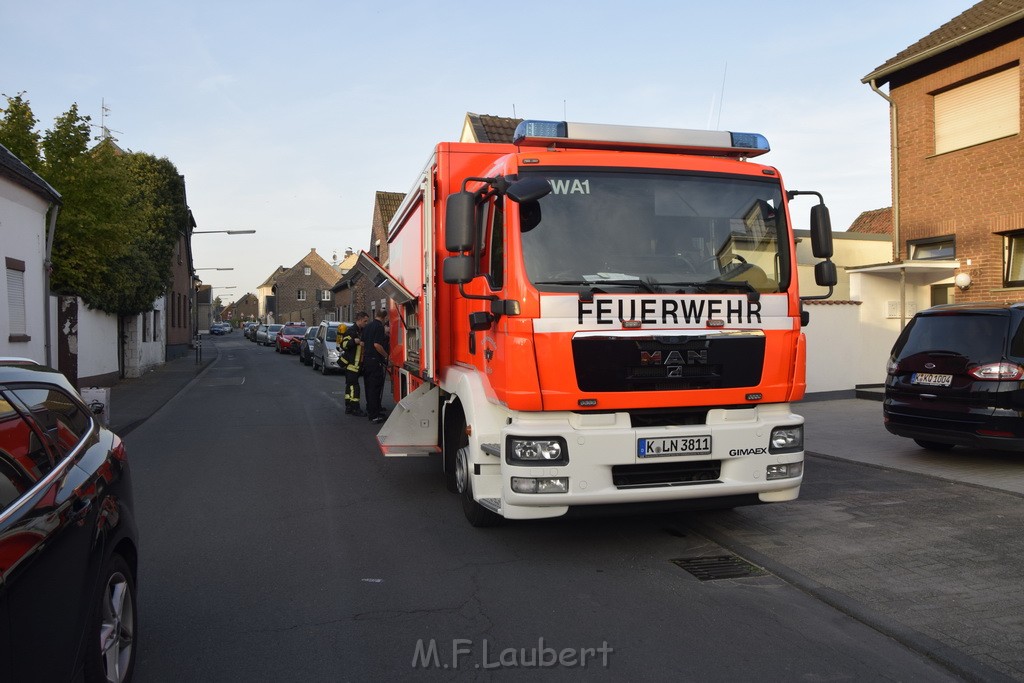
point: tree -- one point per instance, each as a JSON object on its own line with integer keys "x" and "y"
{"x": 122, "y": 212}
{"x": 17, "y": 130}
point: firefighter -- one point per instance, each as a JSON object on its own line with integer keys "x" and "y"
{"x": 376, "y": 362}
{"x": 350, "y": 347}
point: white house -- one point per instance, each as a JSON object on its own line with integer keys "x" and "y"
{"x": 26, "y": 200}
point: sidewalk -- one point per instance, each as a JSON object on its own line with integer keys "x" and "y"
{"x": 133, "y": 401}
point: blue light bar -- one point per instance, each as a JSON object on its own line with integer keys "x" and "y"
{"x": 640, "y": 138}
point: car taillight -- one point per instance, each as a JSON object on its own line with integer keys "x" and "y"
{"x": 117, "y": 449}
{"x": 997, "y": 371}
{"x": 892, "y": 367}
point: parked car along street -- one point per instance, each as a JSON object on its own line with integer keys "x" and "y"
{"x": 325, "y": 348}
{"x": 955, "y": 378}
{"x": 271, "y": 334}
{"x": 289, "y": 338}
{"x": 306, "y": 346}
{"x": 68, "y": 542}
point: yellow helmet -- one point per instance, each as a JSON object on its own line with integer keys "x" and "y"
{"x": 342, "y": 329}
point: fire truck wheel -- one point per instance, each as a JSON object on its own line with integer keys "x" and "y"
{"x": 478, "y": 515}
{"x": 453, "y": 438}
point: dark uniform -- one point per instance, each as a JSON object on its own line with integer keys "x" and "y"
{"x": 373, "y": 368}
{"x": 351, "y": 362}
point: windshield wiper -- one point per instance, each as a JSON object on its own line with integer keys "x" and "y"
{"x": 708, "y": 286}
{"x": 595, "y": 285}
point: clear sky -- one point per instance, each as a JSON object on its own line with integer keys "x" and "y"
{"x": 286, "y": 117}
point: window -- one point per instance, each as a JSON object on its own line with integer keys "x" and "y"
{"x": 932, "y": 248}
{"x": 63, "y": 422}
{"x": 16, "y": 301}
{"x": 302, "y": 295}
{"x": 325, "y": 295}
{"x": 1014, "y": 258}
{"x": 306, "y": 270}
{"x": 984, "y": 109}
{"x": 156, "y": 325}
{"x": 145, "y": 327}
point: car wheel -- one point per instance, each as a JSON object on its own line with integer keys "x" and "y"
{"x": 323, "y": 368}
{"x": 933, "y": 445}
{"x": 476, "y": 514}
{"x": 314, "y": 363}
{"x": 112, "y": 629}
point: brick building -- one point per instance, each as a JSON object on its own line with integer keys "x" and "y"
{"x": 354, "y": 293}
{"x": 246, "y": 308}
{"x": 958, "y": 158}
{"x": 303, "y": 292}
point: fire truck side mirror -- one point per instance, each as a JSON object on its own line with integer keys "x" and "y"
{"x": 825, "y": 274}
{"x": 821, "y": 232}
{"x": 528, "y": 190}
{"x": 460, "y": 221}
{"x": 458, "y": 270}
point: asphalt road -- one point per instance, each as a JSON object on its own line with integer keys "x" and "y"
{"x": 279, "y": 545}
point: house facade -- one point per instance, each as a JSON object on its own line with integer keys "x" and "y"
{"x": 954, "y": 100}
{"x": 303, "y": 292}
{"x": 26, "y": 200}
{"x": 353, "y": 292}
{"x": 180, "y": 298}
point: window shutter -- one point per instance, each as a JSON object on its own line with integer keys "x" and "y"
{"x": 983, "y": 110}
{"x": 16, "y": 301}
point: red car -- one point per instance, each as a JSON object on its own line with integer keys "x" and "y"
{"x": 289, "y": 338}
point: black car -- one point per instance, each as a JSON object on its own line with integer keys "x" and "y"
{"x": 956, "y": 378}
{"x": 68, "y": 542}
{"x": 306, "y": 346}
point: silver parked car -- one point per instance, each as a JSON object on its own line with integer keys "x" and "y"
{"x": 267, "y": 333}
{"x": 325, "y": 348}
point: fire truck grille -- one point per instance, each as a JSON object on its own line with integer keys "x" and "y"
{"x": 668, "y": 363}
{"x": 649, "y": 475}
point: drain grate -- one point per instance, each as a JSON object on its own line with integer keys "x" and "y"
{"x": 718, "y": 567}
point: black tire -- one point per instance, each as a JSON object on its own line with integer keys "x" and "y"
{"x": 323, "y": 369}
{"x": 112, "y": 626}
{"x": 313, "y": 363}
{"x": 450, "y": 444}
{"x": 476, "y": 514}
{"x": 933, "y": 445}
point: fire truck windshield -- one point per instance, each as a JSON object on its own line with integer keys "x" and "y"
{"x": 656, "y": 232}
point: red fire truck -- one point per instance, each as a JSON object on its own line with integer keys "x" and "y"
{"x": 599, "y": 315}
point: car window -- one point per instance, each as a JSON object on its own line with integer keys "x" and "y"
{"x": 981, "y": 338}
{"x": 293, "y": 330}
{"x": 1017, "y": 343}
{"x": 24, "y": 459}
{"x": 59, "y": 416}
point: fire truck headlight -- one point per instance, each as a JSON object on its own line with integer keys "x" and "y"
{"x": 540, "y": 485}
{"x": 787, "y": 439}
{"x": 794, "y": 469}
{"x": 521, "y": 450}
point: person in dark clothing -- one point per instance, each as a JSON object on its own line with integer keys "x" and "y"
{"x": 375, "y": 360}
{"x": 350, "y": 346}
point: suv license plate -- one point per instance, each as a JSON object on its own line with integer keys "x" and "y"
{"x": 674, "y": 445}
{"x": 931, "y": 379}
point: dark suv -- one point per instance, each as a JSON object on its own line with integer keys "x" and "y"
{"x": 956, "y": 378}
{"x": 68, "y": 548}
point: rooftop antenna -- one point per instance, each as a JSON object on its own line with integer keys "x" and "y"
{"x": 105, "y": 133}
{"x": 565, "y": 116}
{"x": 721, "y": 99}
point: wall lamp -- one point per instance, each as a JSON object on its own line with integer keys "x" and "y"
{"x": 962, "y": 280}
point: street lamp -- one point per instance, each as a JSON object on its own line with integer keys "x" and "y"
{"x": 228, "y": 232}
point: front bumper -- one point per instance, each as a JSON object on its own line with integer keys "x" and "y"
{"x": 604, "y": 467}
